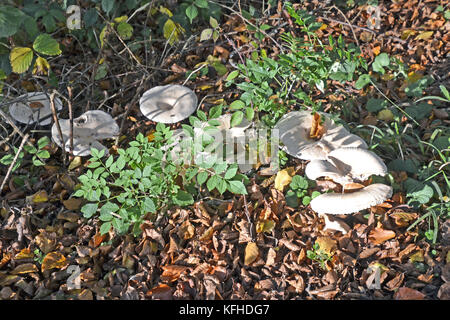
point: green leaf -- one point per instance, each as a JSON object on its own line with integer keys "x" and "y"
{"x": 10, "y": 20}
{"x": 105, "y": 227}
{"x": 125, "y": 30}
{"x": 109, "y": 161}
{"x": 149, "y": 205}
{"x": 236, "y": 187}
{"x": 236, "y": 118}
{"x": 42, "y": 142}
{"x": 191, "y": 12}
{"x": 201, "y": 177}
{"x": 206, "y": 34}
{"x": 183, "y": 198}
{"x": 362, "y": 81}
{"x": 375, "y": 105}
{"x": 38, "y": 163}
{"x": 232, "y": 75}
{"x": 89, "y": 209}
{"x": 172, "y": 31}
{"x": 20, "y": 58}
{"x": 230, "y": 173}
{"x": 382, "y": 60}
{"x": 107, "y": 5}
{"x": 212, "y": 182}
{"x": 201, "y": 3}
{"x": 213, "y": 22}
{"x": 222, "y": 186}
{"x": 215, "y": 112}
{"x": 237, "y": 104}
{"x": 249, "y": 113}
{"x": 44, "y": 154}
{"x": 45, "y": 44}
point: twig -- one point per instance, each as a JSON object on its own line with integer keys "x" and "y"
{"x": 55, "y": 118}
{"x": 13, "y": 163}
{"x": 69, "y": 102}
{"x": 349, "y": 24}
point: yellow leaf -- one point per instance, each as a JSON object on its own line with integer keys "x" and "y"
{"x": 407, "y": 33}
{"x": 416, "y": 257}
{"x": 20, "y": 58}
{"x": 283, "y": 178}
{"x": 326, "y": 244}
{"x": 165, "y": 11}
{"x": 265, "y": 226}
{"x": 24, "y": 254}
{"x": 40, "y": 196}
{"x": 251, "y": 253}
{"x": 323, "y": 26}
{"x": 53, "y": 260}
{"x": 172, "y": 31}
{"x": 385, "y": 115}
{"x": 76, "y": 162}
{"x": 41, "y": 66}
{"x": 120, "y": 19}
{"x": 424, "y": 35}
{"x": 151, "y": 135}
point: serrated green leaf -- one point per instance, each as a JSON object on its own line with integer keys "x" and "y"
{"x": 237, "y": 104}
{"x": 45, "y": 44}
{"x": 149, "y": 205}
{"x": 212, "y": 182}
{"x": 236, "y": 187}
{"x": 206, "y": 34}
{"x": 215, "y": 112}
{"x": 105, "y": 227}
{"x": 201, "y": 177}
{"x": 231, "y": 172}
{"x": 183, "y": 198}
{"x": 10, "y": 20}
{"x": 232, "y": 75}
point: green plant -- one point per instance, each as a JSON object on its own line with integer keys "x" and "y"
{"x": 299, "y": 190}
{"x": 38, "y": 256}
{"x": 319, "y": 256}
{"x": 39, "y": 154}
{"x": 145, "y": 180}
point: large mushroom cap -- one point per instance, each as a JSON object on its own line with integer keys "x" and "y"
{"x": 294, "y": 131}
{"x": 168, "y": 104}
{"x": 358, "y": 163}
{"x": 322, "y": 168}
{"x": 345, "y": 203}
{"x": 34, "y": 107}
{"x": 88, "y": 128}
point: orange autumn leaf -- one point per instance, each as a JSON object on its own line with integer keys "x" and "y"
{"x": 24, "y": 254}
{"x": 171, "y": 273}
{"x": 162, "y": 292}
{"x": 53, "y": 260}
{"x": 97, "y": 240}
{"x": 317, "y": 129}
{"x": 380, "y": 235}
{"x": 251, "y": 253}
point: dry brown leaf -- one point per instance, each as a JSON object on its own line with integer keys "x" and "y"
{"x": 171, "y": 273}
{"x": 97, "y": 239}
{"x": 160, "y": 292}
{"x": 25, "y": 268}
{"x": 39, "y": 197}
{"x": 380, "y": 235}
{"x": 24, "y": 254}
{"x": 186, "y": 230}
{"x": 73, "y": 203}
{"x": 251, "y": 253}
{"x": 54, "y": 260}
{"x": 403, "y": 219}
{"x": 405, "y": 293}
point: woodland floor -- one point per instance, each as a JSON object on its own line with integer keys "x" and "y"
{"x": 198, "y": 252}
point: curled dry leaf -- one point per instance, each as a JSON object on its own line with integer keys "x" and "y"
{"x": 380, "y": 235}
{"x": 284, "y": 178}
{"x": 25, "y": 268}
{"x": 326, "y": 244}
{"x": 171, "y": 273}
{"x": 160, "y": 292}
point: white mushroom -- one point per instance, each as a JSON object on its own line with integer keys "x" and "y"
{"x": 344, "y": 165}
{"x": 294, "y": 130}
{"x": 88, "y": 128}
{"x": 34, "y": 107}
{"x": 345, "y": 203}
{"x": 168, "y": 104}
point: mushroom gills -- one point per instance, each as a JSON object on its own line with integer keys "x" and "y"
{"x": 345, "y": 203}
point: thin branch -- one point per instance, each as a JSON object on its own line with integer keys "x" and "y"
{"x": 13, "y": 163}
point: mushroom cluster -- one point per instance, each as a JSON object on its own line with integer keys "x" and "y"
{"x": 337, "y": 155}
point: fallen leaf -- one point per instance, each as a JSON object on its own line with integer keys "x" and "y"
{"x": 171, "y": 273}
{"x": 405, "y": 293}
{"x": 75, "y": 163}
{"x": 24, "y": 254}
{"x": 73, "y": 203}
{"x": 403, "y": 219}
{"x": 251, "y": 253}
{"x": 379, "y": 235}
{"x": 160, "y": 292}
{"x": 97, "y": 239}
{"x": 25, "y": 268}
{"x": 417, "y": 256}
{"x": 317, "y": 128}
{"x": 53, "y": 260}
{"x": 353, "y": 186}
{"x": 284, "y": 178}
{"x": 326, "y": 244}
{"x": 187, "y": 230}
{"x": 39, "y": 197}
{"x": 424, "y": 35}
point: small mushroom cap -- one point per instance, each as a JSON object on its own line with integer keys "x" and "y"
{"x": 345, "y": 203}
{"x": 34, "y": 107}
{"x": 294, "y": 130}
{"x": 322, "y": 168}
{"x": 168, "y": 104}
{"x": 88, "y": 128}
{"x": 358, "y": 163}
